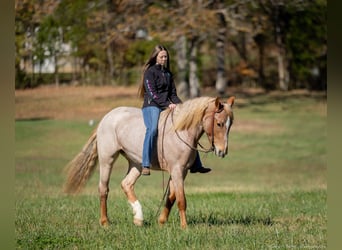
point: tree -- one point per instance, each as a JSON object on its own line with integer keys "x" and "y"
{"x": 220, "y": 48}
{"x": 31, "y": 15}
{"x": 277, "y": 11}
{"x": 191, "y": 19}
{"x": 104, "y": 34}
{"x": 72, "y": 18}
{"x": 306, "y": 41}
{"x": 48, "y": 43}
{"x": 181, "y": 57}
{"x": 24, "y": 35}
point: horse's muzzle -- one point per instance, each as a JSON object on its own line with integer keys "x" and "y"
{"x": 220, "y": 153}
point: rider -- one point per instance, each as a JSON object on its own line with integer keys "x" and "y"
{"x": 159, "y": 92}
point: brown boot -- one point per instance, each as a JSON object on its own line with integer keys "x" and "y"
{"x": 145, "y": 171}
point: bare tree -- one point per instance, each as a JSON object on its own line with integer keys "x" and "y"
{"x": 192, "y": 20}
{"x": 283, "y": 73}
{"x": 193, "y": 76}
{"x": 220, "y": 48}
{"x": 182, "y": 63}
{"x": 273, "y": 10}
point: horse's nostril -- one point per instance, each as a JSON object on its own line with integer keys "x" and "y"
{"x": 220, "y": 153}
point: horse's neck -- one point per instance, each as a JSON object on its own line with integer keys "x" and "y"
{"x": 192, "y": 136}
{"x": 198, "y": 132}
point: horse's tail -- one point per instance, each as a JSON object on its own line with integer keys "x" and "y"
{"x": 80, "y": 169}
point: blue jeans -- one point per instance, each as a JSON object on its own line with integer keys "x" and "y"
{"x": 151, "y": 118}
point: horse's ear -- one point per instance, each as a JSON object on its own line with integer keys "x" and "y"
{"x": 231, "y": 100}
{"x": 217, "y": 102}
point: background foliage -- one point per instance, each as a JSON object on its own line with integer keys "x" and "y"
{"x": 269, "y": 44}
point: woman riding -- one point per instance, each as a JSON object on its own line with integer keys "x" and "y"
{"x": 159, "y": 92}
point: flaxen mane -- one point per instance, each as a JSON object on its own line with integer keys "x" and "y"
{"x": 190, "y": 113}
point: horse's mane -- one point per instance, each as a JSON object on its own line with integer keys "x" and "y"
{"x": 190, "y": 113}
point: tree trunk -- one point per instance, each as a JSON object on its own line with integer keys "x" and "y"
{"x": 193, "y": 78}
{"x": 74, "y": 70}
{"x": 56, "y": 70}
{"x": 32, "y": 81}
{"x": 221, "y": 73}
{"x": 283, "y": 73}
{"x": 110, "y": 62}
{"x": 109, "y": 50}
{"x": 260, "y": 41}
{"x": 182, "y": 62}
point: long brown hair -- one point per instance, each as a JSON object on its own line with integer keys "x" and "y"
{"x": 150, "y": 62}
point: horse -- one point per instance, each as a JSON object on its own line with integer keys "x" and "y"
{"x": 122, "y": 130}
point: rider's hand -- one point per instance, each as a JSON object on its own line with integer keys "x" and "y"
{"x": 172, "y": 106}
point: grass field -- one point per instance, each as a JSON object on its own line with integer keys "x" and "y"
{"x": 269, "y": 193}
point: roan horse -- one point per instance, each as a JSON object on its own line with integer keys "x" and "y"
{"x": 121, "y": 131}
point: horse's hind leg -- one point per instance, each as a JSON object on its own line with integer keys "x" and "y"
{"x": 170, "y": 200}
{"x": 127, "y": 185}
{"x": 106, "y": 164}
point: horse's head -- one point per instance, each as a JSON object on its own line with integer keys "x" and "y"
{"x": 217, "y": 122}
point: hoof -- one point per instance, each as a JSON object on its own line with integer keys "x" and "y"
{"x": 161, "y": 225}
{"x": 104, "y": 224}
{"x": 161, "y": 222}
{"x": 138, "y": 222}
{"x": 162, "y": 219}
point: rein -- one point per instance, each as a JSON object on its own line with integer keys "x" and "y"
{"x": 165, "y": 192}
{"x": 186, "y": 143}
{"x": 212, "y": 134}
{"x": 168, "y": 182}
{"x": 218, "y": 110}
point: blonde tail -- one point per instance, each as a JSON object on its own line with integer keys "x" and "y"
{"x": 80, "y": 169}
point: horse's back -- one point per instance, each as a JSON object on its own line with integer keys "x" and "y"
{"x": 121, "y": 120}
{"x": 122, "y": 129}
{"x": 121, "y": 115}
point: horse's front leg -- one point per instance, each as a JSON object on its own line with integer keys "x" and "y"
{"x": 181, "y": 202}
{"x": 170, "y": 200}
{"x": 178, "y": 184}
{"x": 127, "y": 185}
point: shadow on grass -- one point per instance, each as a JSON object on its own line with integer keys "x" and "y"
{"x": 215, "y": 220}
{"x": 33, "y": 119}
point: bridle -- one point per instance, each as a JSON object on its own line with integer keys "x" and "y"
{"x": 219, "y": 109}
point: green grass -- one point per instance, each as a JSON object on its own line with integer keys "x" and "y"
{"x": 216, "y": 220}
{"x": 270, "y": 192}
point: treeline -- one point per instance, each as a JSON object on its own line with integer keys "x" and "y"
{"x": 271, "y": 44}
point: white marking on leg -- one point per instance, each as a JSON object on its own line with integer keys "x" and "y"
{"x": 137, "y": 212}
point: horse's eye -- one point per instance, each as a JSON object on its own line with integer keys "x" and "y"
{"x": 220, "y": 125}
